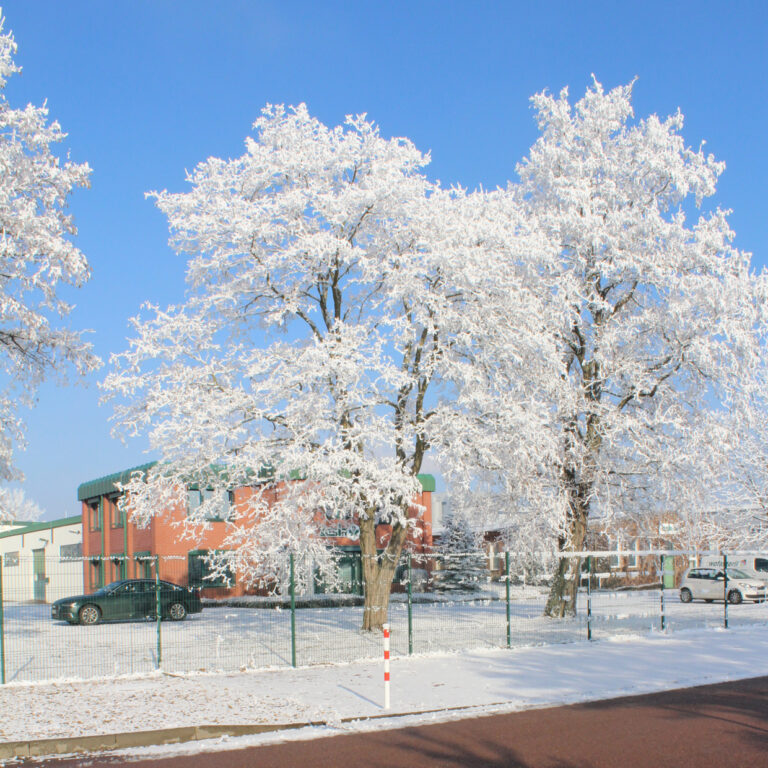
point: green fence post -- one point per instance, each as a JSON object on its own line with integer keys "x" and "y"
{"x": 725, "y": 591}
{"x": 293, "y": 611}
{"x": 410, "y": 606}
{"x": 663, "y": 579}
{"x": 509, "y": 618}
{"x": 589, "y": 597}
{"x": 2, "y": 625}
{"x": 158, "y": 614}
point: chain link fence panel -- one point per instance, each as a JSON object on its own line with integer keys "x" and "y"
{"x": 82, "y": 618}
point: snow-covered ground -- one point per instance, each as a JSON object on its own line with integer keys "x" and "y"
{"x": 477, "y": 682}
{"x": 242, "y": 638}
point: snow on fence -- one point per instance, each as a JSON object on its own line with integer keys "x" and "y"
{"x": 439, "y": 603}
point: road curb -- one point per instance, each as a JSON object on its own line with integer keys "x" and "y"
{"x": 80, "y": 744}
{"x": 112, "y": 741}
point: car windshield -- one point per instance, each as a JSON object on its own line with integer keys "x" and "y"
{"x": 735, "y": 573}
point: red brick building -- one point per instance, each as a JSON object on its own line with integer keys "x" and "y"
{"x": 115, "y": 548}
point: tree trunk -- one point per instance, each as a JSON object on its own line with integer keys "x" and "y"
{"x": 565, "y": 584}
{"x": 378, "y": 571}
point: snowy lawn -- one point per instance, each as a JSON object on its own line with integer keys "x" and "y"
{"x": 483, "y": 680}
{"x": 242, "y": 638}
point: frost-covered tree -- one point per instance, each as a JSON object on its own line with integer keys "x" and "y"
{"x": 15, "y": 506}
{"x": 316, "y": 354}
{"x": 37, "y": 259}
{"x": 664, "y": 326}
{"x": 463, "y": 565}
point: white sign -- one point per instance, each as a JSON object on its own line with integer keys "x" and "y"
{"x": 340, "y": 530}
{"x": 668, "y": 528}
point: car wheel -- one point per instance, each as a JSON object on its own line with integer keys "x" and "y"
{"x": 685, "y": 595}
{"x": 177, "y": 612}
{"x": 734, "y": 597}
{"x": 89, "y": 614}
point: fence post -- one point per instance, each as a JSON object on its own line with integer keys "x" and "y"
{"x": 158, "y": 614}
{"x": 589, "y": 597}
{"x": 293, "y": 612}
{"x": 509, "y": 622}
{"x": 2, "y": 625}
{"x": 410, "y": 605}
{"x": 385, "y": 633}
{"x": 663, "y": 577}
{"x": 725, "y": 591}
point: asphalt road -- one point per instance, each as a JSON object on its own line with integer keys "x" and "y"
{"x": 712, "y": 726}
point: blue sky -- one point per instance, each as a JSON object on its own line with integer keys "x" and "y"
{"x": 147, "y": 89}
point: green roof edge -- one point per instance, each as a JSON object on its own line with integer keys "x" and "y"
{"x": 41, "y": 526}
{"x": 427, "y": 483}
{"x": 102, "y": 486}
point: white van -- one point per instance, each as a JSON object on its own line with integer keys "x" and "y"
{"x": 755, "y": 566}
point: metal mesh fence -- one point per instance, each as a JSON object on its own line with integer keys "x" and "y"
{"x": 76, "y": 618}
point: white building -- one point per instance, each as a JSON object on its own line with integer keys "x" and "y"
{"x": 41, "y": 561}
{"x": 440, "y": 513}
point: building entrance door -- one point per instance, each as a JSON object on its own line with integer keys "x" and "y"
{"x": 39, "y": 577}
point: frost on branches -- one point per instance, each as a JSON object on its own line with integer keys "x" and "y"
{"x": 661, "y": 347}
{"x": 570, "y": 345}
{"x": 15, "y": 506}
{"x": 461, "y": 559}
{"x": 316, "y": 344}
{"x": 36, "y": 259}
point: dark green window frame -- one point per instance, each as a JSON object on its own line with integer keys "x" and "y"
{"x": 199, "y": 570}
{"x": 118, "y": 568}
{"x": 117, "y": 515}
{"x": 144, "y": 561}
{"x": 94, "y": 514}
{"x": 350, "y": 559}
{"x": 97, "y": 579}
{"x": 195, "y": 497}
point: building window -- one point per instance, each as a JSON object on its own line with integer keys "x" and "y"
{"x": 218, "y": 504}
{"x": 117, "y": 514}
{"x": 144, "y": 562}
{"x": 11, "y": 559}
{"x": 613, "y": 560}
{"x": 202, "y": 574}
{"x": 71, "y": 551}
{"x": 118, "y": 568}
{"x": 94, "y": 514}
{"x": 96, "y": 574}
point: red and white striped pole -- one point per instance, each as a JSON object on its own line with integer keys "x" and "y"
{"x": 385, "y": 628}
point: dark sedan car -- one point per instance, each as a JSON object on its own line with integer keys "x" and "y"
{"x": 128, "y": 599}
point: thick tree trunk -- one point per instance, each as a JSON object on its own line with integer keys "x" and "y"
{"x": 378, "y": 571}
{"x": 565, "y": 583}
{"x": 577, "y": 483}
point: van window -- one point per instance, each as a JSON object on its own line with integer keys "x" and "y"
{"x": 761, "y": 564}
